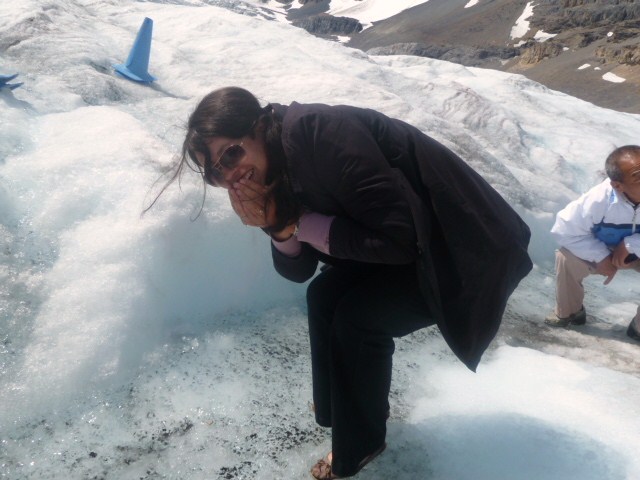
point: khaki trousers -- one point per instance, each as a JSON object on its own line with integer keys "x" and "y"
{"x": 570, "y": 272}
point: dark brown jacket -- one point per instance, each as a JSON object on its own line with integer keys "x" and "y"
{"x": 401, "y": 197}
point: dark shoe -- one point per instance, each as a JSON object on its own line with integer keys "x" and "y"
{"x": 322, "y": 469}
{"x": 632, "y": 332}
{"x": 578, "y": 318}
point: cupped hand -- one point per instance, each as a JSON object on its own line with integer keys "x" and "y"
{"x": 253, "y": 203}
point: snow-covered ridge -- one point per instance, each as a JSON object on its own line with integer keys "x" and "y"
{"x": 513, "y": 45}
{"x": 369, "y": 11}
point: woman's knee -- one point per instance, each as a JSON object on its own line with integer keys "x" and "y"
{"x": 355, "y": 338}
{"x": 317, "y": 293}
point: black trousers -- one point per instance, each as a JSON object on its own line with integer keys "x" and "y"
{"x": 354, "y": 313}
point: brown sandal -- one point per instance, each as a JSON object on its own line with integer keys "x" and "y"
{"x": 322, "y": 469}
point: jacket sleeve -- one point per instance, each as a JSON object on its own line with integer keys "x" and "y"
{"x": 632, "y": 242}
{"x": 374, "y": 223}
{"x": 573, "y": 227}
{"x": 298, "y": 269}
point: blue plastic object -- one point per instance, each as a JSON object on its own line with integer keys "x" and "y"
{"x": 137, "y": 65}
{"x": 611, "y": 234}
{"x": 5, "y": 79}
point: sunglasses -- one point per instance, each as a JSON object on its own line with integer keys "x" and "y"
{"x": 229, "y": 159}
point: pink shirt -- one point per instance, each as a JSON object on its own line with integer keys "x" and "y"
{"x": 313, "y": 228}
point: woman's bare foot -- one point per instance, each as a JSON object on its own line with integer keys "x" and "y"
{"x": 322, "y": 469}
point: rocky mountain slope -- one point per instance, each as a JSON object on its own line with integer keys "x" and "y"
{"x": 586, "y": 48}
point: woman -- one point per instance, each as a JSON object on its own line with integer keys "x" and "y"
{"x": 410, "y": 237}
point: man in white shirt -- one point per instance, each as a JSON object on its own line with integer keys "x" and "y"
{"x": 598, "y": 234}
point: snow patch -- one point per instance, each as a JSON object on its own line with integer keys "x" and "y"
{"x": 471, "y": 3}
{"x": 586, "y": 65}
{"x": 612, "y": 77}
{"x": 521, "y": 26}
{"x": 369, "y": 11}
{"x": 541, "y": 36}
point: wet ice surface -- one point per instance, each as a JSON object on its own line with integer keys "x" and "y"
{"x": 161, "y": 347}
{"x": 193, "y": 410}
{"x": 234, "y": 402}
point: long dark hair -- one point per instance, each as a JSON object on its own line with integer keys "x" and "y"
{"x": 234, "y": 112}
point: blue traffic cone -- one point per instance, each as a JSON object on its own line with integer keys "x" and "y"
{"x": 5, "y": 79}
{"x": 138, "y": 60}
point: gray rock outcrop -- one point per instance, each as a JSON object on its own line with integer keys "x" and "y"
{"x": 324, "y": 24}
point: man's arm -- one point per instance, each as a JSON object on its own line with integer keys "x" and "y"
{"x": 574, "y": 224}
